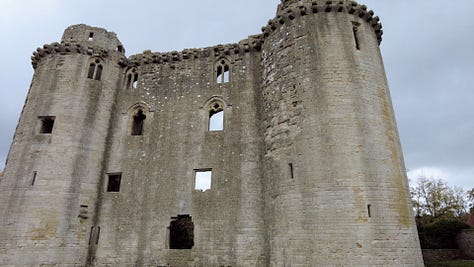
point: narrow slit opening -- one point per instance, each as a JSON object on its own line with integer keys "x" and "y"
{"x": 291, "y": 170}
{"x": 35, "y": 173}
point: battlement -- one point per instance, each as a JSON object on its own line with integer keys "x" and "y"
{"x": 77, "y": 38}
{"x": 66, "y": 48}
{"x": 291, "y": 9}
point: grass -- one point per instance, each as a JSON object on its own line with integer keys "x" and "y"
{"x": 450, "y": 264}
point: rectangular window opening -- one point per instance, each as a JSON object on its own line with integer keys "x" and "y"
{"x": 47, "y": 124}
{"x": 181, "y": 232}
{"x": 203, "y": 179}
{"x": 35, "y": 173}
{"x": 113, "y": 184}
{"x": 369, "y": 212}
{"x": 91, "y": 36}
{"x": 290, "y": 168}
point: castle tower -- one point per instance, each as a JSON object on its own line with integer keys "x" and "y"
{"x": 336, "y": 191}
{"x": 55, "y": 163}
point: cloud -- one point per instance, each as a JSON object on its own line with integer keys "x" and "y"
{"x": 454, "y": 177}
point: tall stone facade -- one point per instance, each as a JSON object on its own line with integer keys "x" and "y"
{"x": 303, "y": 167}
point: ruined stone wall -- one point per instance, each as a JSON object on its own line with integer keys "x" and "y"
{"x": 466, "y": 242}
{"x": 158, "y": 167}
{"x": 307, "y": 170}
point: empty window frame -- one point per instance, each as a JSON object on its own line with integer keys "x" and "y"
{"x": 138, "y": 122}
{"x": 132, "y": 79}
{"x": 369, "y": 210}
{"x": 216, "y": 117}
{"x": 47, "y": 124}
{"x": 181, "y": 232}
{"x": 202, "y": 179}
{"x": 222, "y": 72}
{"x": 91, "y": 36}
{"x": 113, "y": 182}
{"x": 95, "y": 70}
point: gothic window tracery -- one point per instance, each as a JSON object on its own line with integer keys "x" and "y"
{"x": 222, "y": 72}
{"x": 132, "y": 79}
{"x": 95, "y": 70}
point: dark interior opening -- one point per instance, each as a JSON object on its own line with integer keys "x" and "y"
{"x": 138, "y": 119}
{"x": 182, "y": 232}
{"x": 98, "y": 74}
{"x": 90, "y": 74}
{"x": 47, "y": 124}
{"x": 114, "y": 182}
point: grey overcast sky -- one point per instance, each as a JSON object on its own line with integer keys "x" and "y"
{"x": 428, "y": 53}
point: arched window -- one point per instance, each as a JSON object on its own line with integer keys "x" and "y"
{"x": 216, "y": 116}
{"x": 132, "y": 79}
{"x": 138, "y": 122}
{"x": 95, "y": 70}
{"x": 222, "y": 72}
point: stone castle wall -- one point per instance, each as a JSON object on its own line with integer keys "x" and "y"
{"x": 306, "y": 171}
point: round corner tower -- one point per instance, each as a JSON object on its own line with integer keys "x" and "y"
{"x": 56, "y": 159}
{"x": 336, "y": 190}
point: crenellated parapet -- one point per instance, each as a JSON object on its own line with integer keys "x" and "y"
{"x": 251, "y": 44}
{"x": 292, "y": 9}
{"x": 64, "y": 49}
{"x": 288, "y": 10}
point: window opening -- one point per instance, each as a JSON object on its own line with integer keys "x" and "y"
{"x": 203, "y": 179}
{"x": 132, "y": 80}
{"x": 216, "y": 117}
{"x": 90, "y": 75}
{"x": 138, "y": 121}
{"x": 113, "y": 184}
{"x": 98, "y": 73}
{"x": 91, "y": 36}
{"x": 369, "y": 212}
{"x": 135, "y": 81}
{"x": 35, "y": 173}
{"x": 181, "y": 232}
{"x": 226, "y": 74}
{"x": 223, "y": 73}
{"x": 94, "y": 236}
{"x": 355, "y": 29}
{"x": 47, "y": 125}
{"x": 95, "y": 70}
{"x": 290, "y": 167}
{"x": 120, "y": 49}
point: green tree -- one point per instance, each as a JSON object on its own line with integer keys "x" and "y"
{"x": 433, "y": 197}
{"x": 470, "y": 197}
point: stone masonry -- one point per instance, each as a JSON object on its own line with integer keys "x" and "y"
{"x": 291, "y": 130}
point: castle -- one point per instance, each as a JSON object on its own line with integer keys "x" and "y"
{"x": 279, "y": 150}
